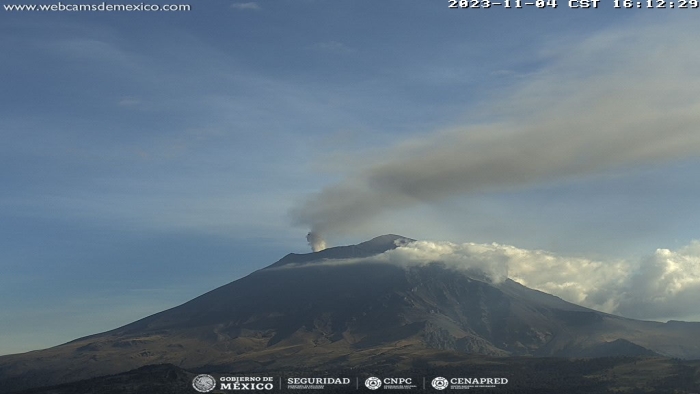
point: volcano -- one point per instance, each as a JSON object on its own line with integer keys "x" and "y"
{"x": 341, "y": 308}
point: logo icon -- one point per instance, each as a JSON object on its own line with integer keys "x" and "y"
{"x": 373, "y": 383}
{"x": 204, "y": 383}
{"x": 440, "y": 383}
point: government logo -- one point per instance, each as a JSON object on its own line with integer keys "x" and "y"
{"x": 440, "y": 383}
{"x": 204, "y": 383}
{"x": 373, "y": 383}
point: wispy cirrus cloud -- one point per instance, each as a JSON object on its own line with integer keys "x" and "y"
{"x": 246, "y": 6}
{"x": 333, "y": 46}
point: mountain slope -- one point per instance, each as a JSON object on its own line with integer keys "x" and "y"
{"x": 319, "y": 310}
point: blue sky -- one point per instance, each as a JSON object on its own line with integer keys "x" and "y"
{"x": 147, "y": 158}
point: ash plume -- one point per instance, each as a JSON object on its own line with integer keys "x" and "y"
{"x": 620, "y": 98}
{"x": 315, "y": 241}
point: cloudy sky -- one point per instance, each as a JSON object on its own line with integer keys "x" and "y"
{"x": 149, "y": 157}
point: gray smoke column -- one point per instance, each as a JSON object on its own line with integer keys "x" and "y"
{"x": 315, "y": 241}
{"x": 620, "y": 98}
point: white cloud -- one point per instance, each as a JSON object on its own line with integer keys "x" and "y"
{"x": 492, "y": 260}
{"x": 577, "y": 280}
{"x": 663, "y": 286}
